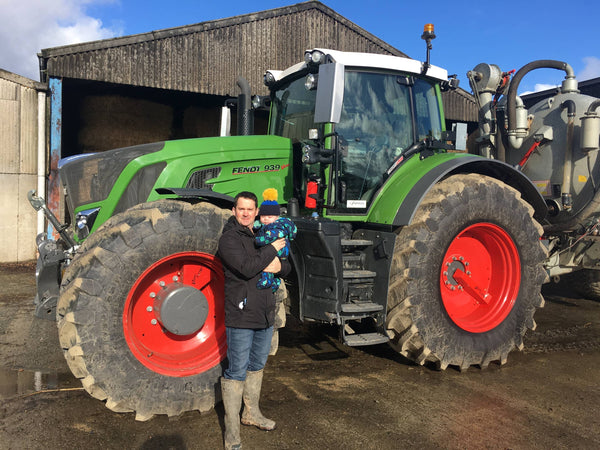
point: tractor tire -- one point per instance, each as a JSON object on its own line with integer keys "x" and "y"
{"x": 586, "y": 282}
{"x": 118, "y": 316}
{"x": 466, "y": 275}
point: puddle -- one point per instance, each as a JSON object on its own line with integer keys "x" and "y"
{"x": 20, "y": 382}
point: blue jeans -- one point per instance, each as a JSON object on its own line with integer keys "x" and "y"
{"x": 247, "y": 349}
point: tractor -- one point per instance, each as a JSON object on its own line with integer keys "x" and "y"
{"x": 404, "y": 236}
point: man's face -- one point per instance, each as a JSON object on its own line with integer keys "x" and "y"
{"x": 245, "y": 211}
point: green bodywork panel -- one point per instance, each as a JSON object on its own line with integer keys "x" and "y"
{"x": 258, "y": 162}
{"x": 394, "y": 191}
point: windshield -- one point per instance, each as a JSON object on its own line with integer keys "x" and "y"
{"x": 293, "y": 110}
{"x": 377, "y": 125}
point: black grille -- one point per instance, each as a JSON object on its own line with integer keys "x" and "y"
{"x": 198, "y": 179}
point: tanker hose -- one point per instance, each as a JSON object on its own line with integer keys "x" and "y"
{"x": 514, "y": 85}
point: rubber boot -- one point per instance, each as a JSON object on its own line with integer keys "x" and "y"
{"x": 232, "y": 391}
{"x": 252, "y": 414}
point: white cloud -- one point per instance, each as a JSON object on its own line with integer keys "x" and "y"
{"x": 591, "y": 69}
{"x": 543, "y": 86}
{"x": 31, "y": 25}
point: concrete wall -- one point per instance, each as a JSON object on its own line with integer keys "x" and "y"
{"x": 18, "y": 166}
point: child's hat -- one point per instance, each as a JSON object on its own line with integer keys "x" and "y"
{"x": 269, "y": 207}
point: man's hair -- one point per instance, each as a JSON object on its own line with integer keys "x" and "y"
{"x": 248, "y": 195}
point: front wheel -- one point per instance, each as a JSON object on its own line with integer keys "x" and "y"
{"x": 141, "y": 310}
{"x": 466, "y": 275}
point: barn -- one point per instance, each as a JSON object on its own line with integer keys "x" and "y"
{"x": 172, "y": 83}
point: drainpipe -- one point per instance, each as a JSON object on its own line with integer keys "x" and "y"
{"x": 567, "y": 198}
{"x": 41, "y": 158}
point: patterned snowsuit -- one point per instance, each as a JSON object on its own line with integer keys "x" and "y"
{"x": 266, "y": 234}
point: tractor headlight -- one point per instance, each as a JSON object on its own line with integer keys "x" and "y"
{"x": 311, "y": 82}
{"x": 314, "y": 57}
{"x": 84, "y": 221}
{"x": 269, "y": 79}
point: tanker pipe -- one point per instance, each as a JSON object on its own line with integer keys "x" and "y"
{"x": 593, "y": 106}
{"x": 566, "y": 197}
{"x": 517, "y": 124}
{"x": 245, "y": 119}
{"x": 590, "y": 128}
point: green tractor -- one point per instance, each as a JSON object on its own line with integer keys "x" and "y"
{"x": 401, "y": 238}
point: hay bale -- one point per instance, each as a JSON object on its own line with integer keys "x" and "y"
{"x": 112, "y": 121}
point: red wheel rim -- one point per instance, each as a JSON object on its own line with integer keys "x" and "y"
{"x": 155, "y": 347}
{"x": 480, "y": 277}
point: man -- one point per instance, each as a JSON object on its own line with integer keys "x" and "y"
{"x": 249, "y": 316}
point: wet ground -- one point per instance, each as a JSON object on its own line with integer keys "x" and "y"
{"x": 325, "y": 395}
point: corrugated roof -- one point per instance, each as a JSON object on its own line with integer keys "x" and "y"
{"x": 208, "y": 57}
{"x": 21, "y": 80}
{"x": 460, "y": 106}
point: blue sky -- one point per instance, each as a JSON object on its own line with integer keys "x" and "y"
{"x": 509, "y": 34}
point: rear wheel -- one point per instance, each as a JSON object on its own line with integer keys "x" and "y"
{"x": 141, "y": 312}
{"x": 466, "y": 275}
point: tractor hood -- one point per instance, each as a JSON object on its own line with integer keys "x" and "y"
{"x": 110, "y": 182}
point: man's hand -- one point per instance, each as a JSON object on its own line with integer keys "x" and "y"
{"x": 278, "y": 244}
{"x": 274, "y": 266}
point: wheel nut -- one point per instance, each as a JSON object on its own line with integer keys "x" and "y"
{"x": 153, "y": 321}
{"x": 175, "y": 278}
{"x": 162, "y": 283}
{"x": 152, "y": 295}
{"x": 149, "y": 308}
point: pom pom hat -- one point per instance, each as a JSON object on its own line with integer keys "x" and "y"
{"x": 269, "y": 207}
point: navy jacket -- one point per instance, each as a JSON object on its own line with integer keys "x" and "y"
{"x": 246, "y": 306}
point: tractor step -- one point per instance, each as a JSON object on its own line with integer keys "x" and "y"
{"x": 352, "y": 261}
{"x": 356, "y": 340}
{"x": 362, "y": 307}
{"x": 357, "y": 274}
{"x": 356, "y": 242}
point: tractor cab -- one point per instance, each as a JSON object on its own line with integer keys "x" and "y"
{"x": 352, "y": 118}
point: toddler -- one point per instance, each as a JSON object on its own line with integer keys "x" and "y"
{"x": 269, "y": 228}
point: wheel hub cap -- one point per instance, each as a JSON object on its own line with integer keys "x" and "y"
{"x": 181, "y": 309}
{"x": 480, "y": 277}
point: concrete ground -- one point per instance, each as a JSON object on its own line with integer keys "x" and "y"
{"x": 325, "y": 395}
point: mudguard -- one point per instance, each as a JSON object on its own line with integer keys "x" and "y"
{"x": 438, "y": 169}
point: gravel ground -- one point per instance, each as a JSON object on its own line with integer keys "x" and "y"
{"x": 324, "y": 395}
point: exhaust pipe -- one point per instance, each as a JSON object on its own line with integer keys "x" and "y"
{"x": 245, "y": 118}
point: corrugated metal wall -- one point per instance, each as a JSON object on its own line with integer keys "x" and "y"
{"x": 208, "y": 57}
{"x": 459, "y": 106}
{"x": 18, "y": 167}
